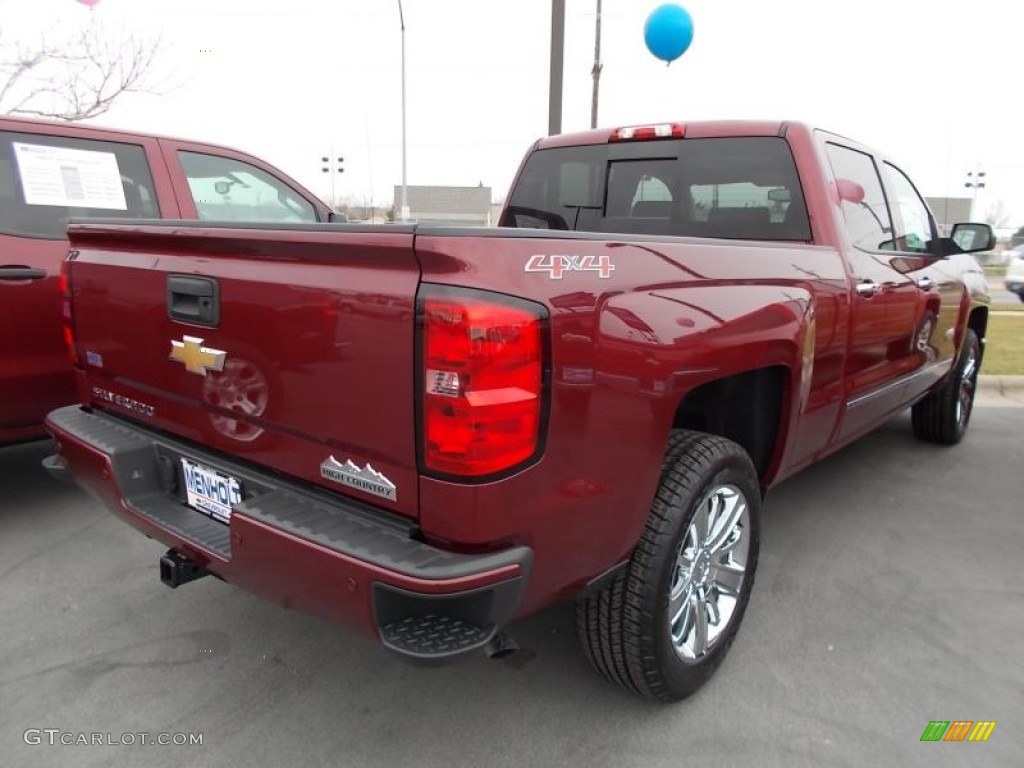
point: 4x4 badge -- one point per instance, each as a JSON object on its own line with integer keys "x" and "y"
{"x": 197, "y": 358}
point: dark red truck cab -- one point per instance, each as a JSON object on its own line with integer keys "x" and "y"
{"x": 50, "y": 172}
{"x": 460, "y": 427}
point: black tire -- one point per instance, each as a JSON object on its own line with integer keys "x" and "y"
{"x": 943, "y": 415}
{"x": 624, "y": 628}
{"x": 1020, "y": 296}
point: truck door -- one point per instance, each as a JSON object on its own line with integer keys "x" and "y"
{"x": 932, "y": 345}
{"x": 885, "y": 301}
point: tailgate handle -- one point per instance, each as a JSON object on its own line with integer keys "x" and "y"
{"x": 18, "y": 272}
{"x": 193, "y": 300}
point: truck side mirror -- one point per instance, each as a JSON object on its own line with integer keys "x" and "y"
{"x": 972, "y": 238}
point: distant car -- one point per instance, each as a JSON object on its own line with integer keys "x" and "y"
{"x": 1015, "y": 272}
{"x": 51, "y": 172}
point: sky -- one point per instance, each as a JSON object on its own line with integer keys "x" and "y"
{"x": 936, "y": 85}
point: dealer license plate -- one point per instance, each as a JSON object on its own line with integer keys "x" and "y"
{"x": 211, "y": 492}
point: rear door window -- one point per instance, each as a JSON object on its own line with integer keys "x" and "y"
{"x": 737, "y": 188}
{"x": 867, "y": 219}
{"x": 46, "y": 180}
{"x": 225, "y": 189}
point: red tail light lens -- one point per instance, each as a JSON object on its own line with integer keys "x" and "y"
{"x": 67, "y": 317}
{"x": 483, "y": 380}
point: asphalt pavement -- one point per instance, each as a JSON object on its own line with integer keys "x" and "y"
{"x": 889, "y": 595}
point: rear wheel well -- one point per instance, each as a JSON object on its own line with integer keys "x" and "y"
{"x": 745, "y": 408}
{"x": 977, "y": 321}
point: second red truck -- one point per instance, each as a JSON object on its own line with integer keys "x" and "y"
{"x": 460, "y": 427}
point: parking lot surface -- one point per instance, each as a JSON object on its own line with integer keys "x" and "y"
{"x": 890, "y": 593}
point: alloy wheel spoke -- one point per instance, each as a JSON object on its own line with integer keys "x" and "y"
{"x": 700, "y": 626}
{"x": 699, "y": 529}
{"x": 728, "y": 577}
{"x": 678, "y": 606}
{"x": 728, "y": 521}
{"x": 711, "y": 604}
{"x": 683, "y": 617}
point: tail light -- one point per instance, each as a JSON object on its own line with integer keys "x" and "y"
{"x": 67, "y": 317}
{"x": 483, "y": 381}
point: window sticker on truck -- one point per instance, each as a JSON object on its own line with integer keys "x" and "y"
{"x": 556, "y": 265}
{"x": 69, "y": 177}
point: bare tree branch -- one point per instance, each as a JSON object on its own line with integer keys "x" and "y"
{"x": 78, "y": 78}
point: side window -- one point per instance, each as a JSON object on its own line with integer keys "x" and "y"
{"x": 46, "y": 180}
{"x": 225, "y": 189}
{"x": 914, "y": 228}
{"x": 868, "y": 219}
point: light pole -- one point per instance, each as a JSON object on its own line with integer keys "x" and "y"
{"x": 334, "y": 170}
{"x": 557, "y": 65}
{"x": 975, "y": 181}
{"x": 403, "y": 210}
{"x": 598, "y": 66}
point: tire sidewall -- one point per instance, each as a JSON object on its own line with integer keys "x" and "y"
{"x": 685, "y": 677}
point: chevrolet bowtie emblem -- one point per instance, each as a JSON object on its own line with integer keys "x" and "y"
{"x": 197, "y": 358}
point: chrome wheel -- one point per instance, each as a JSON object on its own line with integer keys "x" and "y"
{"x": 709, "y": 572}
{"x": 968, "y": 381}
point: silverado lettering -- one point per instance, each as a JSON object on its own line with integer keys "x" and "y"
{"x": 105, "y": 395}
{"x": 768, "y": 293}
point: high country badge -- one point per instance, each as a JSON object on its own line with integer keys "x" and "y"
{"x": 367, "y": 479}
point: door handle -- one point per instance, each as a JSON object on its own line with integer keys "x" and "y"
{"x": 925, "y": 283}
{"x": 868, "y": 288}
{"x": 193, "y": 300}
{"x": 18, "y": 272}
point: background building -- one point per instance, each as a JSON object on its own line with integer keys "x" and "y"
{"x": 949, "y": 211}
{"x": 449, "y": 206}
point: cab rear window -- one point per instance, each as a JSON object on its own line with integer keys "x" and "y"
{"x": 738, "y": 188}
{"x": 46, "y": 180}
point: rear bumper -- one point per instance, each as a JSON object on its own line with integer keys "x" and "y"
{"x": 335, "y": 558}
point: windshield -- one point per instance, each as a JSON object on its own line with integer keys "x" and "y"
{"x": 736, "y": 188}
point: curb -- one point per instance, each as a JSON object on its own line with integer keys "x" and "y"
{"x": 1004, "y": 386}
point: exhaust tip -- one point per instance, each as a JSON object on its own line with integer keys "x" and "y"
{"x": 501, "y": 646}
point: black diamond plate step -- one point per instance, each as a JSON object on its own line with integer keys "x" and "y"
{"x": 434, "y": 637}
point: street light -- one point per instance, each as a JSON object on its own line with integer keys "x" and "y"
{"x": 334, "y": 170}
{"x": 403, "y": 209}
{"x": 975, "y": 181}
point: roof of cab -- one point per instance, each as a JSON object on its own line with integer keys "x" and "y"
{"x": 693, "y": 130}
{"x": 85, "y": 131}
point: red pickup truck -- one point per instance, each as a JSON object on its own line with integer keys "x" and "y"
{"x": 460, "y": 427}
{"x": 50, "y": 172}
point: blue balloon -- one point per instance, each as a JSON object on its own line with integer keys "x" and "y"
{"x": 668, "y": 32}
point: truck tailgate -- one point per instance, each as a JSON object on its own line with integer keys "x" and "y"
{"x": 291, "y": 348}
